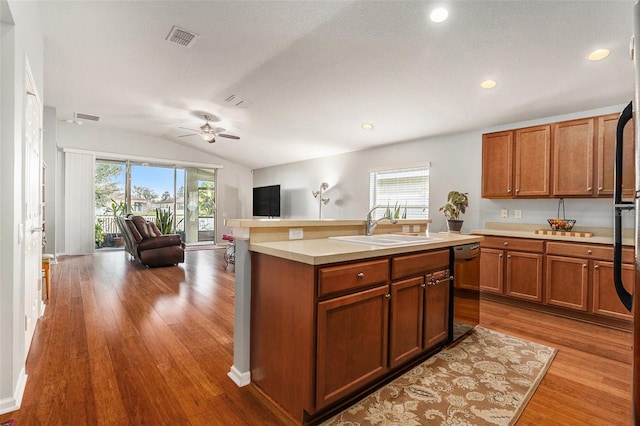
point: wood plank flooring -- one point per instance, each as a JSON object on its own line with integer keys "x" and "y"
{"x": 120, "y": 344}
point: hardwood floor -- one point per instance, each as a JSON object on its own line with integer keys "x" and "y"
{"x": 120, "y": 344}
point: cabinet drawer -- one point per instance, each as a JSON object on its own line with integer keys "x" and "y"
{"x": 588, "y": 251}
{"x": 417, "y": 264}
{"x": 338, "y": 279}
{"x": 522, "y": 244}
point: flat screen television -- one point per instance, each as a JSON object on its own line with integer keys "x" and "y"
{"x": 266, "y": 201}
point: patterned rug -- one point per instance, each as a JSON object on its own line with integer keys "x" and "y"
{"x": 485, "y": 379}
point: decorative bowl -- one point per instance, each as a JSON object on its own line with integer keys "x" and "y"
{"x": 561, "y": 224}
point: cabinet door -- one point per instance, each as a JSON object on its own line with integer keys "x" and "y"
{"x": 497, "y": 165}
{"x": 567, "y": 282}
{"x": 436, "y": 309}
{"x": 524, "y": 275}
{"x": 352, "y": 343}
{"x": 532, "y": 161}
{"x": 491, "y": 270}
{"x": 406, "y": 320}
{"x": 605, "y": 298}
{"x": 607, "y": 126}
{"x": 573, "y": 157}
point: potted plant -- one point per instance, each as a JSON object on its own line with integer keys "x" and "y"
{"x": 118, "y": 209}
{"x": 99, "y": 238}
{"x": 164, "y": 221}
{"x": 457, "y": 203}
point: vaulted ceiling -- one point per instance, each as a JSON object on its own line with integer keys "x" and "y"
{"x": 310, "y": 73}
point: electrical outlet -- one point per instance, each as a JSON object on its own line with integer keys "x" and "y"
{"x": 504, "y": 213}
{"x": 517, "y": 214}
{"x": 405, "y": 228}
{"x": 416, "y": 228}
{"x": 295, "y": 233}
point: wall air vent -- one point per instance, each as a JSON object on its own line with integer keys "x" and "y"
{"x": 181, "y": 37}
{"x": 86, "y": 116}
{"x": 237, "y": 102}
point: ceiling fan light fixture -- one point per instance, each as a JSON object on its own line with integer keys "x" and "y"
{"x": 207, "y": 137}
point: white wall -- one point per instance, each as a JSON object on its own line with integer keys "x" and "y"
{"x": 234, "y": 181}
{"x": 21, "y": 40}
{"x": 456, "y": 164}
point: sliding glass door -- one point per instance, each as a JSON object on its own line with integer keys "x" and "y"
{"x": 178, "y": 199}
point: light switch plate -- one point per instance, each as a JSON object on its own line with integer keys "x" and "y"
{"x": 405, "y": 228}
{"x": 295, "y": 233}
{"x": 504, "y": 213}
{"x": 416, "y": 228}
{"x": 517, "y": 214}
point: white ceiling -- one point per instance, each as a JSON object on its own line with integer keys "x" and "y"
{"x": 314, "y": 71}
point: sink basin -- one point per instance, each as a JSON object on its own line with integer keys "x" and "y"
{"x": 388, "y": 240}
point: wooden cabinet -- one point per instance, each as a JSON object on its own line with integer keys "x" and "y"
{"x": 516, "y": 163}
{"x": 566, "y": 159}
{"x": 607, "y": 127}
{"x": 420, "y": 304}
{"x": 605, "y": 299}
{"x": 497, "y": 165}
{"x": 320, "y": 334}
{"x": 573, "y": 157}
{"x": 512, "y": 266}
{"x": 567, "y": 282}
{"x": 575, "y": 271}
{"x": 352, "y": 343}
{"x": 532, "y": 161}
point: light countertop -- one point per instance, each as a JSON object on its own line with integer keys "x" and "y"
{"x": 600, "y": 235}
{"x": 324, "y": 250}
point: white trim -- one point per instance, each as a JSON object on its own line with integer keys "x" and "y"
{"x": 240, "y": 379}
{"x": 420, "y": 165}
{"x": 114, "y": 156}
{"x": 8, "y": 405}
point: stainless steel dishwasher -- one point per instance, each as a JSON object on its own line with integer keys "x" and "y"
{"x": 465, "y": 303}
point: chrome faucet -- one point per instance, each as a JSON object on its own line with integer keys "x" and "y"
{"x": 371, "y": 224}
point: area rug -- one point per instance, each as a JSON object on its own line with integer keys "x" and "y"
{"x": 203, "y": 247}
{"x": 485, "y": 379}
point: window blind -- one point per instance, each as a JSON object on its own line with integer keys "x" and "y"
{"x": 403, "y": 189}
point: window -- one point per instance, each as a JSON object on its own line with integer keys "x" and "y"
{"x": 404, "y": 192}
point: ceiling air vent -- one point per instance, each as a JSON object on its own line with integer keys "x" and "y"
{"x": 237, "y": 102}
{"x": 87, "y": 116}
{"x": 181, "y": 37}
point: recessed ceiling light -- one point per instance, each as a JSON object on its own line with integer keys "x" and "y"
{"x": 488, "y": 84}
{"x": 598, "y": 54}
{"x": 439, "y": 14}
{"x": 367, "y": 126}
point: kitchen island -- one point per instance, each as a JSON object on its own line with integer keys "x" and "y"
{"x": 329, "y": 318}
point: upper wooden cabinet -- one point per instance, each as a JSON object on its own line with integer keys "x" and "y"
{"x": 532, "y": 160}
{"x": 565, "y": 159}
{"x": 497, "y": 165}
{"x": 573, "y": 157}
{"x": 607, "y": 126}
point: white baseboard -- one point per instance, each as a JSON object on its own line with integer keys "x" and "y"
{"x": 8, "y": 405}
{"x": 240, "y": 379}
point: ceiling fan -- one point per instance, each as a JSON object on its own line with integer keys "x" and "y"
{"x": 207, "y": 132}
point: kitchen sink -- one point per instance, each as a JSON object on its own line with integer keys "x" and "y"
{"x": 388, "y": 240}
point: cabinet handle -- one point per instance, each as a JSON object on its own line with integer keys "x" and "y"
{"x": 517, "y": 190}
{"x": 360, "y": 275}
{"x": 596, "y": 267}
{"x": 500, "y": 255}
{"x": 584, "y": 265}
{"x": 588, "y": 188}
{"x": 505, "y": 243}
{"x": 599, "y": 188}
{"x": 388, "y": 296}
{"x": 423, "y": 285}
{"x": 589, "y": 252}
{"x": 509, "y": 190}
{"x": 509, "y": 256}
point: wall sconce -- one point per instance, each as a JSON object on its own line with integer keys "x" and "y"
{"x": 323, "y": 187}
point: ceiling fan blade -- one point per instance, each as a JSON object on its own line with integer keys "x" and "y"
{"x": 224, "y": 135}
{"x": 190, "y": 134}
{"x": 186, "y": 128}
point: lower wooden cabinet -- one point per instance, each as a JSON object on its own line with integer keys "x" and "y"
{"x": 352, "y": 343}
{"x": 605, "y": 299}
{"x": 321, "y": 334}
{"x": 567, "y": 282}
{"x": 576, "y": 278}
